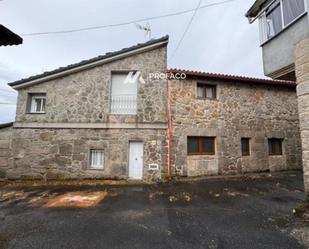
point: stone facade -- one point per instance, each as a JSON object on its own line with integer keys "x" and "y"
{"x": 302, "y": 75}
{"x": 56, "y": 144}
{"x": 78, "y": 110}
{"x": 64, "y": 153}
{"x": 5, "y": 151}
{"x": 84, "y": 97}
{"x": 254, "y": 111}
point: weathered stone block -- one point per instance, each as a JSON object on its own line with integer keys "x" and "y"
{"x": 31, "y": 176}
{"x": 65, "y": 149}
{"x": 2, "y": 173}
{"x": 55, "y": 175}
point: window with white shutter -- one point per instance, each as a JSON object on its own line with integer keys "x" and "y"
{"x": 123, "y": 94}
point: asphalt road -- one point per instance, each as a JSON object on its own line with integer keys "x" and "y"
{"x": 225, "y": 213}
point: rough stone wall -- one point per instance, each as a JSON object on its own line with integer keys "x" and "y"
{"x": 39, "y": 152}
{"x": 302, "y": 75}
{"x": 64, "y": 153}
{"x": 5, "y": 151}
{"x": 240, "y": 110}
{"x": 84, "y": 97}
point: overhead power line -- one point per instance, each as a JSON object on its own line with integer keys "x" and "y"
{"x": 186, "y": 29}
{"x": 7, "y": 90}
{"x": 125, "y": 23}
{"x": 7, "y": 103}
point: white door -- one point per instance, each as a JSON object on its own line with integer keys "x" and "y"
{"x": 136, "y": 160}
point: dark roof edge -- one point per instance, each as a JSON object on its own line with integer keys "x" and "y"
{"x": 108, "y": 56}
{"x": 255, "y": 9}
{"x": 8, "y": 37}
{"x": 225, "y": 77}
{"x": 5, "y": 125}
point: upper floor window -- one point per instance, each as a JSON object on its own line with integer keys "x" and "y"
{"x": 275, "y": 146}
{"x": 292, "y": 10}
{"x": 278, "y": 16}
{"x": 274, "y": 19}
{"x": 36, "y": 103}
{"x": 206, "y": 91}
{"x": 123, "y": 94}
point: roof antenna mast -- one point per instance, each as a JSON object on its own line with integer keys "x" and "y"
{"x": 146, "y": 28}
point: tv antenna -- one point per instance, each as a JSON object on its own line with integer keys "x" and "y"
{"x": 146, "y": 28}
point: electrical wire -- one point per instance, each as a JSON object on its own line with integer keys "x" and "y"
{"x": 5, "y": 90}
{"x": 124, "y": 23}
{"x": 186, "y": 30}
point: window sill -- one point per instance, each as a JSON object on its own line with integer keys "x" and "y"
{"x": 201, "y": 155}
{"x": 35, "y": 112}
{"x": 119, "y": 114}
{"x": 201, "y": 98}
{"x": 285, "y": 28}
{"x": 95, "y": 170}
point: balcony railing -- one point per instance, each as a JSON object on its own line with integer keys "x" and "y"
{"x": 123, "y": 104}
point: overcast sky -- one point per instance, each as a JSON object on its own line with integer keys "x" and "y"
{"x": 219, "y": 39}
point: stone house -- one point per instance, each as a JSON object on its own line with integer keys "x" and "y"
{"x": 284, "y": 36}
{"x": 108, "y": 117}
{"x": 231, "y": 125}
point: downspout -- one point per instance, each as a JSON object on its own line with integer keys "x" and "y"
{"x": 169, "y": 129}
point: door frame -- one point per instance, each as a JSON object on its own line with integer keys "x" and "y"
{"x": 128, "y": 159}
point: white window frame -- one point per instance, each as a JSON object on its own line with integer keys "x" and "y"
{"x": 33, "y": 107}
{"x": 94, "y": 163}
{"x": 263, "y": 22}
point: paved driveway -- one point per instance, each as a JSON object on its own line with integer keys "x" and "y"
{"x": 240, "y": 213}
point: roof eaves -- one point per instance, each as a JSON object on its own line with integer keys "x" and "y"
{"x": 89, "y": 63}
{"x": 255, "y": 9}
{"x": 7, "y": 37}
{"x": 235, "y": 78}
{"x": 5, "y": 125}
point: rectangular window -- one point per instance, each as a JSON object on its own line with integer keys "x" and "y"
{"x": 36, "y": 103}
{"x": 201, "y": 145}
{"x": 275, "y": 146}
{"x": 278, "y": 16}
{"x": 206, "y": 91}
{"x": 124, "y": 94}
{"x": 245, "y": 146}
{"x": 292, "y": 10}
{"x": 273, "y": 19}
{"x": 96, "y": 159}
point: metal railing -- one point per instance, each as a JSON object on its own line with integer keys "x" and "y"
{"x": 123, "y": 104}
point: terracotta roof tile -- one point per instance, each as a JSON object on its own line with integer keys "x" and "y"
{"x": 226, "y": 77}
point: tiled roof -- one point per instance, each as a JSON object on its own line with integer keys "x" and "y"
{"x": 95, "y": 59}
{"x": 4, "y": 125}
{"x": 7, "y": 37}
{"x": 226, "y": 77}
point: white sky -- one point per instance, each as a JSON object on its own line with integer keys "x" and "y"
{"x": 220, "y": 38}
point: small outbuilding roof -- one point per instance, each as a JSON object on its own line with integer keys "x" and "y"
{"x": 7, "y": 37}
{"x": 235, "y": 78}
